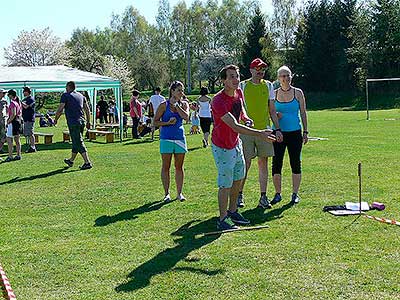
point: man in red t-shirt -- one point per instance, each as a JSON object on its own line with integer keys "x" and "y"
{"x": 228, "y": 110}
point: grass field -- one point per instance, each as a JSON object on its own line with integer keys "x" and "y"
{"x": 104, "y": 234}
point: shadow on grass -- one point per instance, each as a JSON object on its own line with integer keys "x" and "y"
{"x": 129, "y": 214}
{"x": 195, "y": 148}
{"x": 39, "y": 176}
{"x": 140, "y": 141}
{"x": 166, "y": 260}
{"x": 259, "y": 215}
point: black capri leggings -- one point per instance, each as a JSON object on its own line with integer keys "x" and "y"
{"x": 294, "y": 142}
{"x": 205, "y": 124}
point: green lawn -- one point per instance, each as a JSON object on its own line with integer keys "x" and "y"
{"x": 104, "y": 234}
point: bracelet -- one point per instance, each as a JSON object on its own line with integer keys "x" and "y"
{"x": 305, "y": 131}
{"x": 278, "y": 129}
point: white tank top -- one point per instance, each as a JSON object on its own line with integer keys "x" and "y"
{"x": 204, "y": 111}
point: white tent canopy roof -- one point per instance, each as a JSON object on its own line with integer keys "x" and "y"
{"x": 48, "y": 73}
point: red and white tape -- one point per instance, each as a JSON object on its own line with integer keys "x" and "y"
{"x": 7, "y": 286}
{"x": 383, "y": 220}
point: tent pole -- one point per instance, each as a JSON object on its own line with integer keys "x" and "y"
{"x": 94, "y": 108}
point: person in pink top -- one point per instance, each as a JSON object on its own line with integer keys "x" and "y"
{"x": 14, "y": 128}
{"x": 135, "y": 113}
{"x": 228, "y": 110}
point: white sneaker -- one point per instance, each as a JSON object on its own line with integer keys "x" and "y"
{"x": 167, "y": 198}
{"x": 181, "y": 197}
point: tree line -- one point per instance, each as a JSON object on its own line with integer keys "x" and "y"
{"x": 331, "y": 45}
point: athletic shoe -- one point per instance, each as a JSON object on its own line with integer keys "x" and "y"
{"x": 295, "y": 198}
{"x": 226, "y": 224}
{"x": 17, "y": 157}
{"x": 277, "y": 198}
{"x": 2, "y": 151}
{"x": 69, "y": 162}
{"x": 167, "y": 199}
{"x": 237, "y": 218}
{"x": 30, "y": 150}
{"x": 240, "y": 202}
{"x": 181, "y": 197}
{"x": 8, "y": 159}
{"x": 264, "y": 203}
{"x": 86, "y": 166}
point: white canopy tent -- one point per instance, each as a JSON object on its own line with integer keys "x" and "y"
{"x": 54, "y": 79}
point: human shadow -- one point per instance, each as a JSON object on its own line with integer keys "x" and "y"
{"x": 39, "y": 176}
{"x": 139, "y": 141}
{"x": 195, "y": 148}
{"x": 129, "y": 214}
{"x": 54, "y": 146}
{"x": 188, "y": 241}
{"x": 259, "y": 215}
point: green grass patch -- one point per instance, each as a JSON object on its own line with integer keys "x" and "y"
{"x": 104, "y": 234}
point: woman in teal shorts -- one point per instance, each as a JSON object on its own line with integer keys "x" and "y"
{"x": 169, "y": 117}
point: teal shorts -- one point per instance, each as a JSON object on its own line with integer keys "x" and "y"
{"x": 173, "y": 146}
{"x": 230, "y": 164}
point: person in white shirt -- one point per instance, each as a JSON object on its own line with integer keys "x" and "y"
{"x": 205, "y": 114}
{"x": 154, "y": 103}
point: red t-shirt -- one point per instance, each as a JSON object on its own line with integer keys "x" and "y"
{"x": 135, "y": 103}
{"x": 223, "y": 136}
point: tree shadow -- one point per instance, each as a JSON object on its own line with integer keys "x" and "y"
{"x": 188, "y": 241}
{"x": 259, "y": 215}
{"x": 54, "y": 146}
{"x": 39, "y": 176}
{"x": 129, "y": 214}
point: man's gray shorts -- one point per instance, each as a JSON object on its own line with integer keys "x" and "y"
{"x": 28, "y": 128}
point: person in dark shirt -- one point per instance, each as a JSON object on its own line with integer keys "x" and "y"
{"x": 28, "y": 114}
{"x": 75, "y": 106}
{"x": 103, "y": 107}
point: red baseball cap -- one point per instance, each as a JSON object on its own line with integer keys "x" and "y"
{"x": 257, "y": 63}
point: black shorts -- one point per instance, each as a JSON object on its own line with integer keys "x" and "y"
{"x": 205, "y": 124}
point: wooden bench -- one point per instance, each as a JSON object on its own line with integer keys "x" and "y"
{"x": 109, "y": 135}
{"x": 66, "y": 136}
{"x": 48, "y": 137}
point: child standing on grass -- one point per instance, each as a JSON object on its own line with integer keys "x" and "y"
{"x": 194, "y": 119}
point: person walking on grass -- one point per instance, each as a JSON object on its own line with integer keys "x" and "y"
{"x": 205, "y": 114}
{"x": 14, "y": 125}
{"x": 259, "y": 103}
{"x": 135, "y": 113}
{"x": 75, "y": 106}
{"x": 169, "y": 116}
{"x": 228, "y": 110}
{"x": 28, "y": 114}
{"x": 290, "y": 106}
{"x": 3, "y": 118}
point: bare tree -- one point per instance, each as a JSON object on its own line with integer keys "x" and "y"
{"x": 36, "y": 48}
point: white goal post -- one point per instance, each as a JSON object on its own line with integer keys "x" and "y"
{"x": 375, "y": 80}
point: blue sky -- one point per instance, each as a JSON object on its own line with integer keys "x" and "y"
{"x": 64, "y": 16}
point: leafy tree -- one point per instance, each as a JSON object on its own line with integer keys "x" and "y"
{"x": 211, "y": 65}
{"x": 118, "y": 68}
{"x": 36, "y": 48}
{"x": 252, "y": 47}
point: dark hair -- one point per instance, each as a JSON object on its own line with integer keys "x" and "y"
{"x": 26, "y": 89}
{"x": 204, "y": 91}
{"x": 71, "y": 85}
{"x": 157, "y": 89}
{"x": 222, "y": 73}
{"x": 12, "y": 93}
{"x": 135, "y": 93}
{"x": 173, "y": 86}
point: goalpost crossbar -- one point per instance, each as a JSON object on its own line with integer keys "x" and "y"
{"x": 375, "y": 80}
